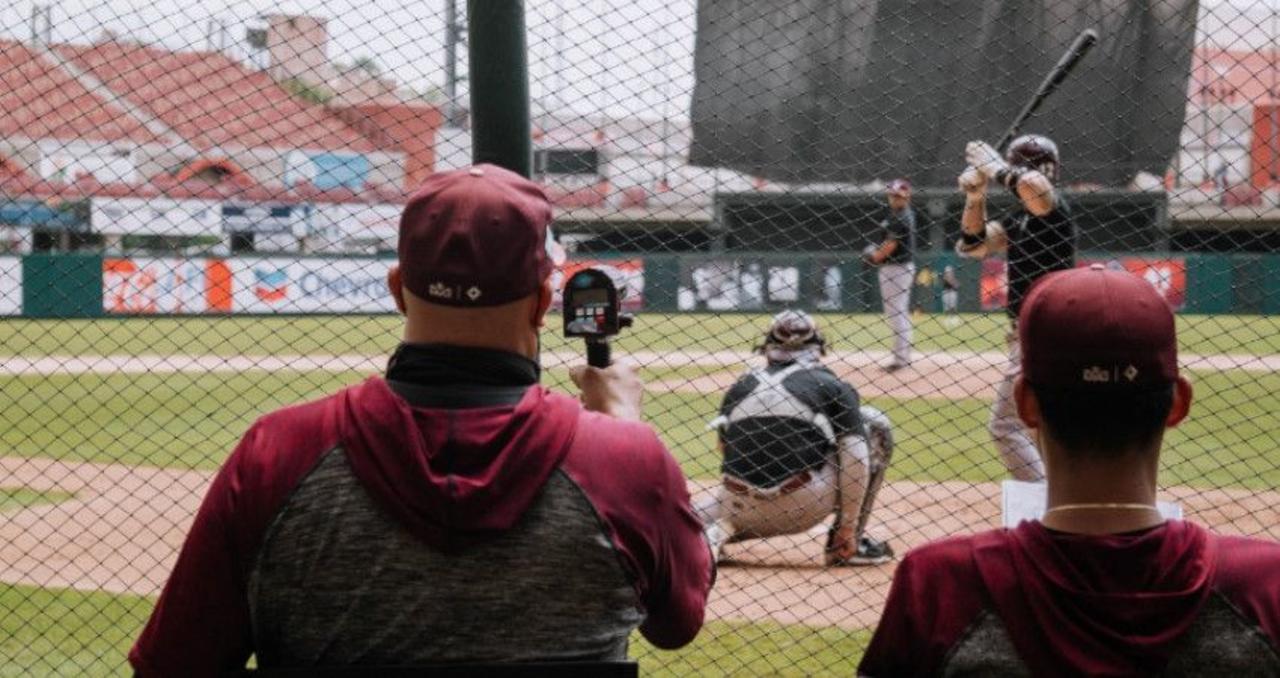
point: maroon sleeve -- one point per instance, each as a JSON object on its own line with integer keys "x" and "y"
{"x": 1249, "y": 576}
{"x": 936, "y": 594}
{"x": 201, "y": 625}
{"x": 642, "y": 497}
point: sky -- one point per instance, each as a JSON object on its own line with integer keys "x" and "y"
{"x": 595, "y": 56}
{"x": 611, "y": 57}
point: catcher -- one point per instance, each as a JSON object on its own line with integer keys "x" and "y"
{"x": 797, "y": 447}
{"x": 1039, "y": 237}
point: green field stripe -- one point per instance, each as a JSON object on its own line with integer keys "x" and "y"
{"x": 12, "y": 498}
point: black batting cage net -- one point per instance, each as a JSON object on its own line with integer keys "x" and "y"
{"x": 805, "y": 208}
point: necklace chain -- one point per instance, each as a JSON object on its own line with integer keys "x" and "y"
{"x": 1082, "y": 507}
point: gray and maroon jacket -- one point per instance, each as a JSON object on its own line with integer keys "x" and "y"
{"x": 1174, "y": 600}
{"x": 398, "y": 523}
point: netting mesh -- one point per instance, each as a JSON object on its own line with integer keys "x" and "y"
{"x": 199, "y": 207}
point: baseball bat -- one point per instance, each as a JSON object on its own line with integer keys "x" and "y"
{"x": 1083, "y": 43}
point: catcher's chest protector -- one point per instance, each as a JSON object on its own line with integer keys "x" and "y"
{"x": 776, "y": 430}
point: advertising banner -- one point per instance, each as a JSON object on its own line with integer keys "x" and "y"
{"x": 627, "y": 275}
{"x": 155, "y": 216}
{"x": 347, "y": 226}
{"x": 263, "y": 219}
{"x": 169, "y": 286}
{"x": 10, "y": 286}
{"x": 1167, "y": 274}
{"x": 281, "y": 285}
{"x": 748, "y": 285}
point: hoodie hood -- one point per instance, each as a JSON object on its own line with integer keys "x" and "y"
{"x": 454, "y": 476}
{"x": 1098, "y": 605}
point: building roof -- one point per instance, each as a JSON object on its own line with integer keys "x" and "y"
{"x": 40, "y": 100}
{"x": 211, "y": 100}
{"x": 1234, "y": 76}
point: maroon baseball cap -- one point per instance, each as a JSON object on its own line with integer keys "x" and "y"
{"x": 479, "y": 236}
{"x": 899, "y": 187}
{"x": 1096, "y": 329}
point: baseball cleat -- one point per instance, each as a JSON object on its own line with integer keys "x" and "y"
{"x": 870, "y": 552}
{"x": 895, "y": 366}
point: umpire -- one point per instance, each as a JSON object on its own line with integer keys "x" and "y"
{"x": 895, "y": 255}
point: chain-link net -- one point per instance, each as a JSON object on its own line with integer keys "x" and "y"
{"x": 199, "y": 207}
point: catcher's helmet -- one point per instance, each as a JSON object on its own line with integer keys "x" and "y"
{"x": 792, "y": 330}
{"x": 1035, "y": 152}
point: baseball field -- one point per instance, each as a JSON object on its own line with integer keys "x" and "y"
{"x": 111, "y": 430}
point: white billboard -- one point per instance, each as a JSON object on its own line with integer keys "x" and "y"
{"x": 343, "y": 226}
{"x": 10, "y": 286}
{"x": 281, "y": 285}
{"x": 155, "y": 216}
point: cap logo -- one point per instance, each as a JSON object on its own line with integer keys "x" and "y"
{"x": 1096, "y": 375}
{"x": 473, "y": 293}
{"x": 439, "y": 289}
{"x": 1131, "y": 373}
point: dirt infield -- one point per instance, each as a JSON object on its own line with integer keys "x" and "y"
{"x": 122, "y": 530}
{"x": 866, "y": 362}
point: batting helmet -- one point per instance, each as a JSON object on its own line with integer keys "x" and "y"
{"x": 793, "y": 330}
{"x": 1036, "y": 152}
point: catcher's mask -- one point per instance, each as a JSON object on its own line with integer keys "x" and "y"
{"x": 793, "y": 330}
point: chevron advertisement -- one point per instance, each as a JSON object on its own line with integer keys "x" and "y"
{"x": 279, "y": 285}
{"x": 147, "y": 286}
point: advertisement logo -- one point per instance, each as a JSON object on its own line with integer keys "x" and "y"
{"x": 271, "y": 285}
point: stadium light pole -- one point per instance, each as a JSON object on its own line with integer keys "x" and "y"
{"x": 499, "y": 75}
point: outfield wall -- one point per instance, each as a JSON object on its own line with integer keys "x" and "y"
{"x": 93, "y": 285}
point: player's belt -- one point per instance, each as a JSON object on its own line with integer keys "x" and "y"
{"x": 788, "y": 486}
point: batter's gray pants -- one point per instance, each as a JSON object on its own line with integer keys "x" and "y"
{"x": 1013, "y": 441}
{"x": 895, "y": 292}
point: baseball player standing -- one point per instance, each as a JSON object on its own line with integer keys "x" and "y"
{"x": 895, "y": 257}
{"x": 797, "y": 447}
{"x": 1040, "y": 237}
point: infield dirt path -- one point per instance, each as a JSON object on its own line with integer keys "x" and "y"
{"x": 926, "y": 363}
{"x": 122, "y": 531}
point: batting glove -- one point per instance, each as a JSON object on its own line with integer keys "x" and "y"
{"x": 981, "y": 156}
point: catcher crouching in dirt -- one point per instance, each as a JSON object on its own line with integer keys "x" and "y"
{"x": 797, "y": 447}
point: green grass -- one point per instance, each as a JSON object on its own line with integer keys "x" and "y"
{"x": 192, "y": 421}
{"x": 372, "y": 335}
{"x": 762, "y": 649}
{"x": 21, "y": 497}
{"x": 48, "y": 632}
{"x": 57, "y": 632}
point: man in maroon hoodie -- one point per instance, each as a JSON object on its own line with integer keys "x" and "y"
{"x": 454, "y": 510}
{"x": 1102, "y": 585}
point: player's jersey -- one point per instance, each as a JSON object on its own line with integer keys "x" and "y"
{"x": 1037, "y": 245}
{"x": 780, "y": 420}
{"x": 901, "y": 226}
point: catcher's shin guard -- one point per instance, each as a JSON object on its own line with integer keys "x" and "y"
{"x": 880, "y": 442}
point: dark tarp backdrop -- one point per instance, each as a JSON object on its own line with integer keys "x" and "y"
{"x": 824, "y": 90}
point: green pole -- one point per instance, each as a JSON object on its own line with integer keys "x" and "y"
{"x": 499, "y": 78}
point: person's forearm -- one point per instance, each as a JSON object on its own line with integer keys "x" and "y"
{"x": 1036, "y": 193}
{"x": 886, "y": 250}
{"x": 974, "y": 218}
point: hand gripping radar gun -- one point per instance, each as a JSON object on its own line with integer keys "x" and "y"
{"x": 591, "y": 312}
